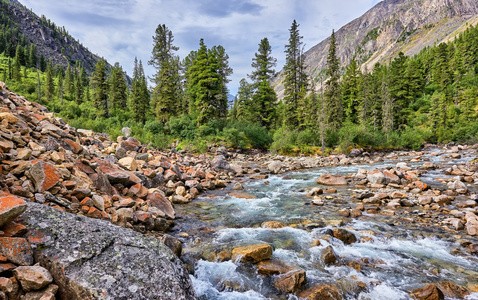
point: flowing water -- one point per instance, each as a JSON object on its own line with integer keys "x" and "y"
{"x": 396, "y": 254}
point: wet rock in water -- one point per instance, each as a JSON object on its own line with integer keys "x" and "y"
{"x": 457, "y": 224}
{"x": 452, "y": 290}
{"x": 429, "y": 292}
{"x": 290, "y": 282}
{"x": 238, "y": 187}
{"x": 328, "y": 255}
{"x": 241, "y": 195}
{"x": 33, "y": 277}
{"x": 273, "y": 225}
{"x": 252, "y": 253}
{"x": 10, "y": 208}
{"x": 321, "y": 292}
{"x": 273, "y": 267}
{"x": 82, "y": 254}
{"x": 259, "y": 177}
{"x": 344, "y": 235}
{"x": 331, "y": 180}
{"x": 458, "y": 186}
{"x": 315, "y": 192}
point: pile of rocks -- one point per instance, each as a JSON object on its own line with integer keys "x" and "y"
{"x": 19, "y": 277}
{"x": 43, "y": 159}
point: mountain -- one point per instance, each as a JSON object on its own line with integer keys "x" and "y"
{"x": 390, "y": 27}
{"x": 52, "y": 41}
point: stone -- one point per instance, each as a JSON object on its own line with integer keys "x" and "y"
{"x": 6, "y": 145}
{"x": 116, "y": 175}
{"x": 472, "y": 226}
{"x": 91, "y": 259}
{"x": 321, "y": 292}
{"x": 382, "y": 177}
{"x": 452, "y": 290}
{"x": 344, "y": 235}
{"x": 98, "y": 202}
{"x": 139, "y": 191}
{"x": 173, "y": 243}
{"x": 315, "y": 192}
{"x": 425, "y": 200}
{"x": 14, "y": 229}
{"x": 328, "y": 255}
{"x": 275, "y": 166}
{"x": 422, "y": 186}
{"x": 74, "y": 146}
{"x": 220, "y": 163}
{"x": 16, "y": 250}
{"x": 272, "y": 225}
{"x": 33, "y": 277}
{"x": 126, "y": 213}
{"x": 442, "y": 200}
{"x": 429, "y": 292}
{"x": 238, "y": 187}
{"x": 259, "y": 177}
{"x": 252, "y": 253}
{"x": 129, "y": 163}
{"x": 181, "y": 191}
{"x": 10, "y": 208}
{"x": 158, "y": 201}
{"x": 24, "y": 154}
{"x": 241, "y": 195}
{"x": 272, "y": 267}
{"x": 458, "y": 186}
{"x": 290, "y": 282}
{"x": 44, "y": 175}
{"x": 6, "y": 285}
{"x": 130, "y": 144}
{"x": 9, "y": 117}
{"x": 457, "y": 224}
{"x": 331, "y": 180}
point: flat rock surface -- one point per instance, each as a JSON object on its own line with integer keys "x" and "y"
{"x": 94, "y": 259}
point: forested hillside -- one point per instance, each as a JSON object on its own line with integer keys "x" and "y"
{"x": 430, "y": 97}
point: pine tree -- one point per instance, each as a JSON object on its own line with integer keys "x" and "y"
{"x": 100, "y": 88}
{"x": 244, "y": 108}
{"x": 118, "y": 88}
{"x": 17, "y": 76}
{"x": 387, "y": 105}
{"x": 204, "y": 84}
{"x": 68, "y": 81}
{"x": 333, "y": 103}
{"x": 350, "y": 91}
{"x": 219, "y": 56}
{"x": 166, "y": 95}
{"x": 79, "y": 89}
{"x": 264, "y": 97}
{"x": 295, "y": 78}
{"x": 139, "y": 96}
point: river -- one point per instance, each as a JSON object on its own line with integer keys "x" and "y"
{"x": 396, "y": 253}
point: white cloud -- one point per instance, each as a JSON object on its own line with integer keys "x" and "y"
{"x": 121, "y": 30}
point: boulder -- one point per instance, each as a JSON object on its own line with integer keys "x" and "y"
{"x": 32, "y": 277}
{"x": 328, "y": 255}
{"x": 10, "y": 208}
{"x": 220, "y": 163}
{"x": 275, "y": 166}
{"x": 130, "y": 144}
{"x": 321, "y": 292}
{"x": 472, "y": 226}
{"x": 92, "y": 259}
{"x": 331, "y": 180}
{"x": 158, "y": 201}
{"x": 429, "y": 292}
{"x": 272, "y": 267}
{"x": 44, "y": 175}
{"x": 290, "y": 282}
{"x": 458, "y": 186}
{"x": 241, "y": 195}
{"x": 344, "y": 235}
{"x": 273, "y": 225}
{"x": 129, "y": 163}
{"x": 452, "y": 290}
{"x": 252, "y": 253}
{"x": 16, "y": 250}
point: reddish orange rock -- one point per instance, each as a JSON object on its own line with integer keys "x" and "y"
{"x": 75, "y": 147}
{"x": 321, "y": 292}
{"x": 421, "y": 185}
{"x": 13, "y": 229}
{"x": 97, "y": 214}
{"x": 429, "y": 292}
{"x": 139, "y": 191}
{"x": 44, "y": 175}
{"x": 16, "y": 250}
{"x": 10, "y": 208}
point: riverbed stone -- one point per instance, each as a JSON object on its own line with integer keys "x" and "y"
{"x": 273, "y": 267}
{"x": 290, "y": 282}
{"x": 472, "y": 226}
{"x": 242, "y": 195}
{"x": 332, "y": 180}
{"x": 252, "y": 253}
{"x": 429, "y": 292}
{"x": 328, "y": 255}
{"x": 344, "y": 235}
{"x": 452, "y": 290}
{"x": 458, "y": 186}
{"x": 321, "y": 292}
{"x": 273, "y": 225}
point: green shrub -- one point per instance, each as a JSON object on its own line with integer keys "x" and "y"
{"x": 183, "y": 127}
{"x": 284, "y": 140}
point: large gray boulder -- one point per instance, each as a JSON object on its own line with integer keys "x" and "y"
{"x": 94, "y": 259}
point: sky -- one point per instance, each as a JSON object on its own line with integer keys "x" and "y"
{"x": 120, "y": 30}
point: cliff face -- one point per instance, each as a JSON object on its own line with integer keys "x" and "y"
{"x": 390, "y": 27}
{"x": 55, "y": 44}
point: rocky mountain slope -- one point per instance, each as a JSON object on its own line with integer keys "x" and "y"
{"x": 392, "y": 26}
{"x": 52, "y": 41}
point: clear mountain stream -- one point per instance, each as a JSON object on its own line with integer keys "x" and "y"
{"x": 396, "y": 254}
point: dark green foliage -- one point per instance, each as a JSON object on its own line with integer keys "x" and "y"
{"x": 333, "y": 103}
